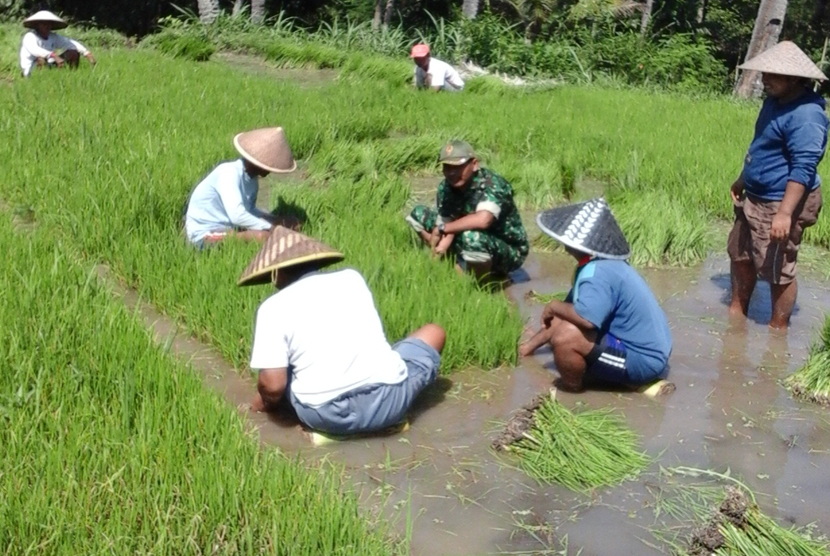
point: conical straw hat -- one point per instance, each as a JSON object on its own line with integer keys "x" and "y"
{"x": 267, "y": 148}
{"x": 285, "y": 248}
{"x": 589, "y": 227}
{"x": 45, "y": 16}
{"x": 785, "y": 58}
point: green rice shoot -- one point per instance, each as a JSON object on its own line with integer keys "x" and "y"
{"x": 812, "y": 381}
{"x": 580, "y": 451}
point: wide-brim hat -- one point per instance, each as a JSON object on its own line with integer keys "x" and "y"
{"x": 589, "y": 227}
{"x": 266, "y": 148}
{"x": 284, "y": 248}
{"x": 44, "y": 16}
{"x": 785, "y": 58}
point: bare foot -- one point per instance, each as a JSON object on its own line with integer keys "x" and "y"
{"x": 257, "y": 405}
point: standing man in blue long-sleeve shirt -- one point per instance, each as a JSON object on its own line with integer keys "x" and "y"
{"x": 777, "y": 194}
{"x": 224, "y": 203}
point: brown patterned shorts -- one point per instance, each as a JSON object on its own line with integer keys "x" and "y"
{"x": 749, "y": 239}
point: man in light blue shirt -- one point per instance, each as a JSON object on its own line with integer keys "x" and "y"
{"x": 610, "y": 328}
{"x": 224, "y": 203}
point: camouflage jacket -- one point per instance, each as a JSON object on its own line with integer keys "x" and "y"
{"x": 486, "y": 191}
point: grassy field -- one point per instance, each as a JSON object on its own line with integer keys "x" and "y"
{"x": 111, "y": 447}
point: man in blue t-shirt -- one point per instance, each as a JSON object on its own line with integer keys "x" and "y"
{"x": 778, "y": 193}
{"x": 610, "y": 327}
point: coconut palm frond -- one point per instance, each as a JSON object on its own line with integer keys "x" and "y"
{"x": 625, "y": 8}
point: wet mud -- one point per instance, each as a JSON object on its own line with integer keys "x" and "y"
{"x": 729, "y": 413}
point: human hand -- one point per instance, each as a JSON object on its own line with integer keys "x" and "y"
{"x": 59, "y": 61}
{"x": 91, "y": 58}
{"x": 737, "y": 190}
{"x": 781, "y": 224}
{"x": 434, "y": 238}
{"x": 548, "y": 313}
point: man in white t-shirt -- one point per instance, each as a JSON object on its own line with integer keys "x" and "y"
{"x": 320, "y": 343}
{"x": 41, "y": 47}
{"x": 223, "y": 204}
{"x": 431, "y": 73}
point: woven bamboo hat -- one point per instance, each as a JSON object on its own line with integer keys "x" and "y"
{"x": 785, "y": 58}
{"x": 44, "y": 16}
{"x": 589, "y": 227}
{"x": 282, "y": 249}
{"x": 266, "y": 148}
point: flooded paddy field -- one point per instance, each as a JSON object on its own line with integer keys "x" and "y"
{"x": 442, "y": 481}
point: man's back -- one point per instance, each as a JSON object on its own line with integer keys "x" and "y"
{"x": 615, "y": 298}
{"x": 330, "y": 333}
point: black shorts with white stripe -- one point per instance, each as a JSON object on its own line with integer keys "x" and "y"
{"x": 607, "y": 360}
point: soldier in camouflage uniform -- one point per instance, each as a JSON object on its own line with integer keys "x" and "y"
{"x": 476, "y": 219}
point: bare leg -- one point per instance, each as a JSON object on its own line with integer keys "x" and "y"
{"x": 783, "y": 301}
{"x": 743, "y": 284}
{"x": 539, "y": 339}
{"x": 247, "y": 235}
{"x": 432, "y": 335}
{"x": 72, "y": 58}
{"x": 570, "y": 347}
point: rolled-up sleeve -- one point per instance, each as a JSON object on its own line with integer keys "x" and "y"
{"x": 806, "y": 143}
{"x": 230, "y": 192}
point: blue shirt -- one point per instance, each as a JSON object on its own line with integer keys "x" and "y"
{"x": 790, "y": 140}
{"x": 224, "y": 200}
{"x": 615, "y": 299}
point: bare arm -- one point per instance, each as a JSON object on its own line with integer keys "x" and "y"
{"x": 480, "y": 220}
{"x": 566, "y": 312}
{"x": 271, "y": 386}
{"x": 783, "y": 220}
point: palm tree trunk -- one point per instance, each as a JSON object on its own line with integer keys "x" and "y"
{"x": 387, "y": 13}
{"x": 258, "y": 11}
{"x": 376, "y": 20}
{"x": 208, "y": 10}
{"x": 646, "y": 18}
{"x": 469, "y": 8}
{"x": 765, "y": 35}
{"x": 701, "y": 12}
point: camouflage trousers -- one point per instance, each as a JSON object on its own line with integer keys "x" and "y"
{"x": 472, "y": 246}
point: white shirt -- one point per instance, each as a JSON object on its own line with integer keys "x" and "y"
{"x": 224, "y": 200}
{"x": 34, "y": 47}
{"x": 325, "y": 328}
{"x": 442, "y": 75}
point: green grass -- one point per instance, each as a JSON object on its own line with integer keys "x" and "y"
{"x": 111, "y": 447}
{"x": 579, "y": 450}
{"x": 812, "y": 381}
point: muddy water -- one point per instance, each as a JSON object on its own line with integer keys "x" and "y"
{"x": 728, "y": 413}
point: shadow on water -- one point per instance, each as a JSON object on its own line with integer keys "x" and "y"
{"x": 760, "y": 304}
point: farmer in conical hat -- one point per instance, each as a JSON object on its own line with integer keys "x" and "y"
{"x": 41, "y": 47}
{"x": 778, "y": 193}
{"x": 476, "y": 219}
{"x": 610, "y": 327}
{"x": 224, "y": 203}
{"x": 319, "y": 342}
{"x": 432, "y": 73}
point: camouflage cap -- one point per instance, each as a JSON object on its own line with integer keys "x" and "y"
{"x": 456, "y": 153}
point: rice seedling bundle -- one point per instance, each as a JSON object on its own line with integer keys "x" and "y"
{"x": 812, "y": 381}
{"x": 739, "y": 528}
{"x": 580, "y": 451}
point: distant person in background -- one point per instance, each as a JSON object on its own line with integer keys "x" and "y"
{"x": 224, "y": 203}
{"x": 431, "y": 73}
{"x": 43, "y": 48}
{"x": 778, "y": 193}
{"x": 610, "y": 328}
{"x": 476, "y": 219}
{"x": 319, "y": 342}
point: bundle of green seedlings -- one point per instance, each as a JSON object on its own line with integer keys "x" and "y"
{"x": 703, "y": 512}
{"x": 812, "y": 381}
{"x": 580, "y": 451}
{"x": 111, "y": 446}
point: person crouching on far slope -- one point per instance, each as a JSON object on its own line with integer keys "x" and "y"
{"x": 319, "y": 342}
{"x": 40, "y": 46}
{"x": 610, "y": 328}
{"x": 224, "y": 203}
{"x": 432, "y": 73}
{"x": 778, "y": 193}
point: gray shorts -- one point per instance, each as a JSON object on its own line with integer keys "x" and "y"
{"x": 375, "y": 406}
